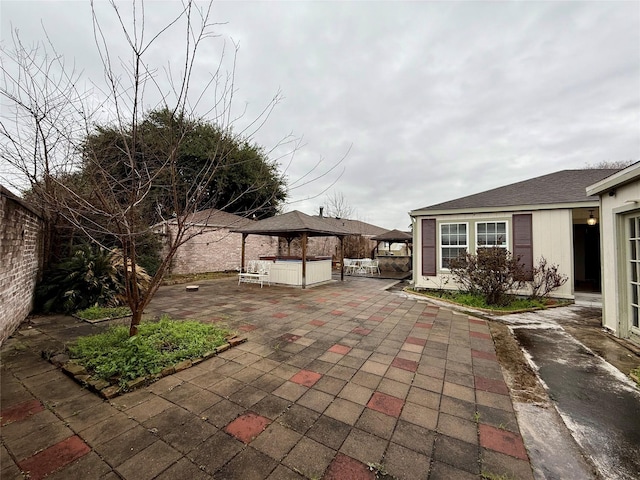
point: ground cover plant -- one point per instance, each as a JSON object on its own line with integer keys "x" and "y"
{"x": 510, "y": 303}
{"x": 116, "y": 355}
{"x": 98, "y": 313}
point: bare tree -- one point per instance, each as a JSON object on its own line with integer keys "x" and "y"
{"x": 610, "y": 164}
{"x": 106, "y": 204}
{"x": 336, "y": 205}
{"x": 42, "y": 120}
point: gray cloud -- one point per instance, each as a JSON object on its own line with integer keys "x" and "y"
{"x": 437, "y": 99}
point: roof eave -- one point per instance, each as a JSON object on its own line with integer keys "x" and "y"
{"x": 618, "y": 179}
{"x": 507, "y": 208}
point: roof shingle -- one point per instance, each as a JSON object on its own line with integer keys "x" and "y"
{"x": 565, "y": 186}
{"x": 294, "y": 222}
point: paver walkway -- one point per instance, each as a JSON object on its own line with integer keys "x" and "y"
{"x": 332, "y": 380}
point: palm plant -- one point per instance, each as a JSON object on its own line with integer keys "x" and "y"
{"x": 89, "y": 277}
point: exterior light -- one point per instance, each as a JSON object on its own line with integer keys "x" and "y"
{"x": 591, "y": 221}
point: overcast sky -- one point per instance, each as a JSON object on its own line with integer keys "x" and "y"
{"x": 431, "y": 100}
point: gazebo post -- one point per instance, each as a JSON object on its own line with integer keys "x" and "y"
{"x": 244, "y": 238}
{"x": 304, "y": 260}
{"x": 341, "y": 258}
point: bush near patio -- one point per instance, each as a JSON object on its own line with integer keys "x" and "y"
{"x": 493, "y": 273}
{"x": 115, "y": 355}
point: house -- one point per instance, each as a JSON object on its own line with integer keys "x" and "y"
{"x": 359, "y": 244}
{"x": 619, "y": 196}
{"x": 215, "y": 248}
{"x": 549, "y": 216}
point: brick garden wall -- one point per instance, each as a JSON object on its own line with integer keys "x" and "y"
{"x": 21, "y": 230}
{"x": 218, "y": 250}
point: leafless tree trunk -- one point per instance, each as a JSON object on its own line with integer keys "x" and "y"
{"x": 46, "y": 139}
{"x": 60, "y": 123}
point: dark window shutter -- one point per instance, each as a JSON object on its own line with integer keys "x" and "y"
{"x": 523, "y": 242}
{"x": 429, "y": 247}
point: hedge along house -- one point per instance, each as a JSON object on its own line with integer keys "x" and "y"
{"x": 619, "y": 196}
{"x": 549, "y": 216}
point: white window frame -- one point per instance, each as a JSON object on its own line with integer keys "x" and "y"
{"x": 505, "y": 245}
{"x": 441, "y": 246}
{"x": 633, "y": 282}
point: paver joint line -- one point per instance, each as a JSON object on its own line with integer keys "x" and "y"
{"x": 332, "y": 378}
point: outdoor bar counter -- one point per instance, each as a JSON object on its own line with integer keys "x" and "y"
{"x": 288, "y": 270}
{"x": 394, "y": 263}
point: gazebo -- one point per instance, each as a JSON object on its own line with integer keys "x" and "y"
{"x": 293, "y": 225}
{"x": 394, "y": 262}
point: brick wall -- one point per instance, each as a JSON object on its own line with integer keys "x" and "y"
{"x": 21, "y": 230}
{"x": 355, "y": 247}
{"x": 218, "y": 250}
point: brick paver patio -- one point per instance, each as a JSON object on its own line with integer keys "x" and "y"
{"x": 336, "y": 382}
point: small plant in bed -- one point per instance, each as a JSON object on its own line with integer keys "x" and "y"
{"x": 115, "y": 355}
{"x": 100, "y": 313}
{"x": 511, "y": 303}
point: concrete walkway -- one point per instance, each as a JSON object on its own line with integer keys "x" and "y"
{"x": 340, "y": 381}
{"x": 585, "y": 371}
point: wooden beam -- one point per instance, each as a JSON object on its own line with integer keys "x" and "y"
{"x": 304, "y": 260}
{"x": 244, "y": 238}
{"x": 341, "y": 259}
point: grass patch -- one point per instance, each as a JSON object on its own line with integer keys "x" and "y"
{"x": 98, "y": 313}
{"x": 115, "y": 355}
{"x": 635, "y": 374}
{"x": 478, "y": 301}
{"x": 195, "y": 277}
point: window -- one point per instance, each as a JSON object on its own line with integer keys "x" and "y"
{"x": 453, "y": 242}
{"x": 491, "y": 234}
{"x": 634, "y": 271}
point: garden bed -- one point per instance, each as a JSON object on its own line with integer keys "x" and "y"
{"x": 476, "y": 302}
{"x": 112, "y": 363}
{"x": 102, "y": 314}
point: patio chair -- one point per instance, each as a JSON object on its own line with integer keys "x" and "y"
{"x": 372, "y": 267}
{"x": 350, "y": 266}
{"x": 363, "y": 264}
{"x": 257, "y": 272}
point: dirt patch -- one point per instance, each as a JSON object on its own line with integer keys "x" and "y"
{"x": 520, "y": 377}
{"x": 194, "y": 277}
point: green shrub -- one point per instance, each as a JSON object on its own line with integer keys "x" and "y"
{"x": 114, "y": 354}
{"x": 89, "y": 277}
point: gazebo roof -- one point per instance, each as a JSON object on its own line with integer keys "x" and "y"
{"x": 293, "y": 224}
{"x": 393, "y": 236}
